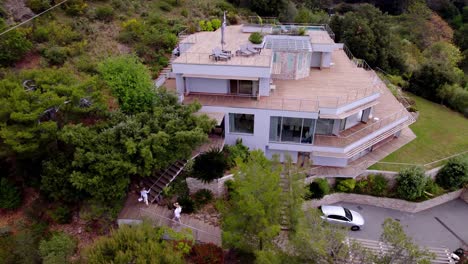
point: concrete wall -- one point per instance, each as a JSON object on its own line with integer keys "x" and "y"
{"x": 326, "y": 59}
{"x": 316, "y": 59}
{"x": 264, "y": 86}
{"x": 390, "y": 203}
{"x": 222, "y": 70}
{"x": 329, "y": 161}
{"x": 217, "y": 186}
{"x": 204, "y": 85}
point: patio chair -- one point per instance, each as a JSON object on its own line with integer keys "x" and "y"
{"x": 243, "y": 51}
{"x": 218, "y": 55}
{"x": 252, "y": 49}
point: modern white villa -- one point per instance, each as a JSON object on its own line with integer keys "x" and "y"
{"x": 297, "y": 95}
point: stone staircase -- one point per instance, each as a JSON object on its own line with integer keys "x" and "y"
{"x": 284, "y": 215}
{"x": 162, "y": 179}
{"x": 166, "y": 71}
{"x": 378, "y": 247}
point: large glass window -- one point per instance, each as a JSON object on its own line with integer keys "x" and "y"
{"x": 290, "y": 129}
{"x": 241, "y": 123}
{"x": 245, "y": 87}
{"x": 324, "y": 126}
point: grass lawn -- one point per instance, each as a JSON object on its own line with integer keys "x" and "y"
{"x": 440, "y": 132}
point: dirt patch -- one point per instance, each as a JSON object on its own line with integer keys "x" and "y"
{"x": 209, "y": 215}
{"x": 30, "y": 61}
{"x": 17, "y": 10}
{"x": 11, "y": 217}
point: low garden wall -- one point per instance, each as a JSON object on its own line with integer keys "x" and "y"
{"x": 392, "y": 175}
{"x": 216, "y": 186}
{"x": 390, "y": 203}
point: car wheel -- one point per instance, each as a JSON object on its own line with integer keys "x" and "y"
{"x": 355, "y": 228}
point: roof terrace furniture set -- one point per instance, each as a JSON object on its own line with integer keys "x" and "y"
{"x": 221, "y": 55}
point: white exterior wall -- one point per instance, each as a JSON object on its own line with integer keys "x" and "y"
{"x": 326, "y": 59}
{"x": 316, "y": 59}
{"x": 222, "y": 70}
{"x": 204, "y": 85}
{"x": 328, "y": 161}
{"x": 264, "y": 86}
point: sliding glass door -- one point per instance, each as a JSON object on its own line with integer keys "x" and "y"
{"x": 291, "y": 129}
{"x": 243, "y": 87}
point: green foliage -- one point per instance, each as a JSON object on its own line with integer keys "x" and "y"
{"x": 346, "y": 185}
{"x": 251, "y": 217}
{"x": 454, "y": 174}
{"x": 138, "y": 244}
{"x": 203, "y": 197}
{"x": 433, "y": 188}
{"x": 104, "y": 13}
{"x": 61, "y": 215}
{"x": 20, "y": 131}
{"x": 165, "y": 6}
{"x": 401, "y": 246}
{"x": 184, "y": 12}
{"x": 256, "y": 38}
{"x": 56, "y": 55}
{"x": 455, "y": 97}
{"x": 13, "y": 45}
{"x": 57, "y": 249}
{"x": 410, "y": 183}
{"x": 427, "y": 81}
{"x": 378, "y": 185}
{"x": 129, "y": 81}
{"x": 306, "y": 16}
{"x": 234, "y": 152}
{"x": 215, "y": 23}
{"x": 38, "y": 6}
{"x": 75, "y": 7}
{"x": 206, "y": 254}
{"x": 10, "y": 196}
{"x": 205, "y": 25}
{"x": 210, "y": 166}
{"x": 318, "y": 188}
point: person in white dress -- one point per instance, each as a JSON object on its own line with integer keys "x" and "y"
{"x": 144, "y": 196}
{"x": 177, "y": 211}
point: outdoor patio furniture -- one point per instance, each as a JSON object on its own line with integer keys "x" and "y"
{"x": 219, "y": 55}
{"x": 252, "y": 49}
{"x": 243, "y": 51}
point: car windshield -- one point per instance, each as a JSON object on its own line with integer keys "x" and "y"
{"x": 348, "y": 214}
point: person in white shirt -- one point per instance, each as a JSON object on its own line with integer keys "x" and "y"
{"x": 177, "y": 211}
{"x": 144, "y": 196}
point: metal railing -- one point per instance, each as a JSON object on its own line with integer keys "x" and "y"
{"x": 342, "y": 141}
{"x": 206, "y": 58}
{"x": 198, "y": 234}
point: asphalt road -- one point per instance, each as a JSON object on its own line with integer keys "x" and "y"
{"x": 423, "y": 227}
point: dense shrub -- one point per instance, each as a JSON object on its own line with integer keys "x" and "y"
{"x": 56, "y": 55}
{"x": 38, "y": 6}
{"x": 411, "y": 183}
{"x": 256, "y": 38}
{"x": 184, "y": 12}
{"x": 433, "y": 188}
{"x": 57, "y": 249}
{"x": 378, "y": 185}
{"x": 362, "y": 186}
{"x": 206, "y": 254}
{"x": 10, "y": 196}
{"x": 165, "y": 6}
{"x": 13, "y": 45}
{"x": 75, "y": 7}
{"x": 346, "y": 185}
{"x": 205, "y": 25}
{"x": 61, "y": 215}
{"x": 202, "y": 197}
{"x": 318, "y": 188}
{"x": 187, "y": 203}
{"x": 236, "y": 151}
{"x": 215, "y": 23}
{"x": 104, "y": 13}
{"x": 454, "y": 174}
{"x": 210, "y": 166}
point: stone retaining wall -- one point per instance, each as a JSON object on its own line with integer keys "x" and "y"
{"x": 464, "y": 196}
{"x": 391, "y": 175}
{"x": 216, "y": 186}
{"x": 390, "y": 203}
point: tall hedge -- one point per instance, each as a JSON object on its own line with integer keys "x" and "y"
{"x": 411, "y": 183}
{"x": 454, "y": 174}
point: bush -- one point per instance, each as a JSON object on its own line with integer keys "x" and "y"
{"x": 10, "y": 197}
{"x": 210, "y": 166}
{"x": 56, "y": 55}
{"x": 362, "y": 186}
{"x": 104, "y": 13}
{"x": 433, "y": 188}
{"x": 61, "y": 215}
{"x": 318, "y": 188}
{"x": 57, "y": 249}
{"x": 13, "y": 46}
{"x": 206, "y": 254}
{"x": 188, "y": 204}
{"x": 202, "y": 197}
{"x": 184, "y": 12}
{"x": 205, "y": 25}
{"x": 411, "y": 183}
{"x": 256, "y": 38}
{"x": 75, "y": 7}
{"x": 346, "y": 185}
{"x": 236, "y": 151}
{"x": 215, "y": 23}
{"x": 38, "y": 6}
{"x": 378, "y": 185}
{"x": 454, "y": 174}
{"x": 165, "y": 6}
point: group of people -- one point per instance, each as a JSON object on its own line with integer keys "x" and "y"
{"x": 144, "y": 198}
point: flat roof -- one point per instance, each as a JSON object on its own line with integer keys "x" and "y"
{"x": 287, "y": 43}
{"x": 203, "y": 43}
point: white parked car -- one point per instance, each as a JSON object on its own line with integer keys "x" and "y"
{"x": 340, "y": 215}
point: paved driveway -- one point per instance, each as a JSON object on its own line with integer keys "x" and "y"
{"x": 423, "y": 227}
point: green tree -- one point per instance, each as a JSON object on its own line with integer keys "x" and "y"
{"x": 428, "y": 80}
{"x": 10, "y": 196}
{"x": 454, "y": 174}
{"x": 411, "y": 183}
{"x": 13, "y": 45}
{"x": 130, "y": 82}
{"x": 57, "y": 249}
{"x": 402, "y": 249}
{"x": 251, "y": 217}
{"x": 140, "y": 244}
{"x": 305, "y": 15}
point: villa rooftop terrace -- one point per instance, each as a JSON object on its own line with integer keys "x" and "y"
{"x": 203, "y": 44}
